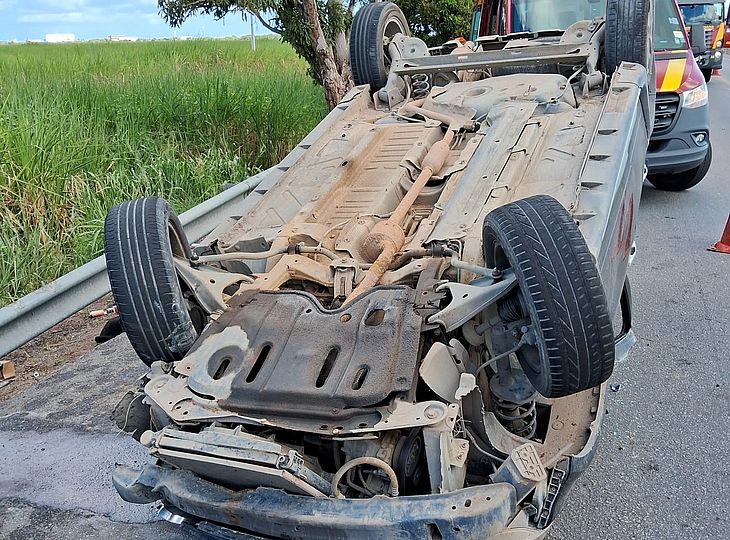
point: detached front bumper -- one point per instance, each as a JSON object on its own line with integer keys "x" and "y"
{"x": 472, "y": 513}
{"x": 674, "y": 150}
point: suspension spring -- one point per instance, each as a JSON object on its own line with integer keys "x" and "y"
{"x": 421, "y": 85}
{"x": 520, "y": 420}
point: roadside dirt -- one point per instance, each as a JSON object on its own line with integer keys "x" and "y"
{"x": 65, "y": 342}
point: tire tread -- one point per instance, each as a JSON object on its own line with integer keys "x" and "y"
{"x": 143, "y": 279}
{"x": 627, "y": 33}
{"x": 562, "y": 289}
{"x": 366, "y": 47}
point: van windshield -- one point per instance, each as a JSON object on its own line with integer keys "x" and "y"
{"x": 668, "y": 32}
{"x": 702, "y": 13}
{"x": 537, "y": 15}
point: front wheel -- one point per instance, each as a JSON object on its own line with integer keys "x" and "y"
{"x": 140, "y": 239}
{"x": 684, "y": 180}
{"x": 707, "y": 73}
{"x": 559, "y": 290}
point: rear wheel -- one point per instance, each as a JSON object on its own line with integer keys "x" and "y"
{"x": 372, "y": 28}
{"x": 685, "y": 180}
{"x": 629, "y": 34}
{"x": 559, "y": 289}
{"x": 630, "y": 38}
{"x": 141, "y": 237}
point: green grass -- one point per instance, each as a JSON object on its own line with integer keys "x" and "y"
{"x": 85, "y": 126}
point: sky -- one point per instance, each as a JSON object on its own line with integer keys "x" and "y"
{"x": 24, "y": 20}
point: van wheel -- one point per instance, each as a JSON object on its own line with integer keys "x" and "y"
{"x": 558, "y": 289}
{"x": 629, "y": 34}
{"x": 372, "y": 26}
{"x": 140, "y": 239}
{"x": 685, "y": 180}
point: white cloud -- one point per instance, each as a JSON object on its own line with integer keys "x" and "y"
{"x": 67, "y": 17}
{"x": 27, "y": 19}
{"x": 152, "y": 18}
{"x": 6, "y": 5}
{"x": 89, "y": 12}
{"x": 69, "y": 5}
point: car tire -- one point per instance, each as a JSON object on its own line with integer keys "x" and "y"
{"x": 684, "y": 180}
{"x": 630, "y": 38}
{"x": 629, "y": 34}
{"x": 368, "y": 55}
{"x": 140, "y": 240}
{"x": 707, "y": 73}
{"x": 561, "y": 292}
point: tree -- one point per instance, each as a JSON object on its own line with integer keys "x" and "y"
{"x": 316, "y": 29}
{"x": 438, "y": 21}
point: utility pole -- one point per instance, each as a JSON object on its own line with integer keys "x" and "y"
{"x": 253, "y": 34}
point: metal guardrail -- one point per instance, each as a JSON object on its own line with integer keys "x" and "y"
{"x": 42, "y": 309}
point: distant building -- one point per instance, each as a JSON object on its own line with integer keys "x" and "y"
{"x": 123, "y": 38}
{"x": 60, "y": 38}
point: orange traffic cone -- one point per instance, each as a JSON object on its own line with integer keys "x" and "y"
{"x": 723, "y": 246}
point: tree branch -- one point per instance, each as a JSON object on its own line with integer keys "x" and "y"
{"x": 267, "y": 25}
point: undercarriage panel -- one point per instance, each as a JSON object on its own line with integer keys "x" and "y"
{"x": 280, "y": 353}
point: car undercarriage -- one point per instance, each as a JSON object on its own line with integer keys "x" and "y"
{"x": 407, "y": 331}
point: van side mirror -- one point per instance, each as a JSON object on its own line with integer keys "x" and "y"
{"x": 697, "y": 38}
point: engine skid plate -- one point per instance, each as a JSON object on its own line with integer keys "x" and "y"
{"x": 281, "y": 354}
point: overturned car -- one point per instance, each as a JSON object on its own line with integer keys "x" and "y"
{"x": 407, "y": 332}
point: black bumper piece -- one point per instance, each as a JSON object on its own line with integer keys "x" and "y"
{"x": 471, "y": 513}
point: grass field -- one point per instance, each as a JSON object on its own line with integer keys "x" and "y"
{"x": 85, "y": 126}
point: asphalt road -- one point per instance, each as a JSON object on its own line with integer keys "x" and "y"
{"x": 662, "y": 469}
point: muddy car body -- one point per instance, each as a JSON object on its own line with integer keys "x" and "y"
{"x": 680, "y": 153}
{"x": 407, "y": 332}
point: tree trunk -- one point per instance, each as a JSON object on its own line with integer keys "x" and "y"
{"x": 342, "y": 53}
{"x": 342, "y": 57}
{"x": 334, "y": 84}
